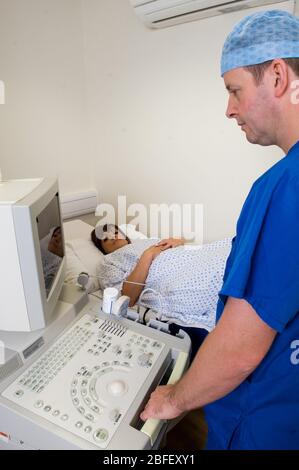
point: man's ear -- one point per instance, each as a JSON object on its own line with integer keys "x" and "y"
{"x": 280, "y": 77}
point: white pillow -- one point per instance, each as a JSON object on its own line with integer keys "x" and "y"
{"x": 83, "y": 256}
{"x": 76, "y": 229}
{"x": 130, "y": 231}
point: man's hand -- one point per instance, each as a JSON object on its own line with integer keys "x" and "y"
{"x": 171, "y": 242}
{"x": 229, "y": 354}
{"x": 161, "y": 404}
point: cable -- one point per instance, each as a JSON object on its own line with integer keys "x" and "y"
{"x": 143, "y": 316}
{"x": 84, "y": 277}
{"x": 149, "y": 289}
{"x": 133, "y": 282}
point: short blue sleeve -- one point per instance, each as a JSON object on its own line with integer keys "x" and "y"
{"x": 263, "y": 267}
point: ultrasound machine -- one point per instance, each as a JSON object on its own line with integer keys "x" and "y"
{"x": 71, "y": 376}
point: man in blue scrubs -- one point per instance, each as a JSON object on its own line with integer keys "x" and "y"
{"x": 247, "y": 370}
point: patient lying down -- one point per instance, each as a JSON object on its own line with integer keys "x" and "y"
{"x": 183, "y": 281}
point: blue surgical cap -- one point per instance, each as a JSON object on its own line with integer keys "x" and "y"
{"x": 263, "y": 36}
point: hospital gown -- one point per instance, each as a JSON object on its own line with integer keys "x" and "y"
{"x": 185, "y": 280}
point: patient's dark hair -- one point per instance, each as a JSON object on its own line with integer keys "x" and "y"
{"x": 98, "y": 243}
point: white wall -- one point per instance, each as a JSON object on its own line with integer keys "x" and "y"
{"x": 95, "y": 97}
{"x": 42, "y": 124}
{"x": 156, "y": 106}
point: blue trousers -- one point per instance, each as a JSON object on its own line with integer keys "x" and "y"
{"x": 197, "y": 336}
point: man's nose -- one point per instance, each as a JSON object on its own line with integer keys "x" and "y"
{"x": 231, "y": 110}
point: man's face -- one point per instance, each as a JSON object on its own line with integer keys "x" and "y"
{"x": 250, "y": 105}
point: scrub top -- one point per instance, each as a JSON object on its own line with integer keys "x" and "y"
{"x": 263, "y": 269}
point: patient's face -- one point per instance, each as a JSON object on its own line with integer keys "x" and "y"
{"x": 55, "y": 244}
{"x": 114, "y": 241}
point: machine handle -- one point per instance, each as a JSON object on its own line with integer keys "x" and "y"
{"x": 153, "y": 426}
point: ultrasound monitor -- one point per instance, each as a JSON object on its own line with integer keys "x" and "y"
{"x": 32, "y": 254}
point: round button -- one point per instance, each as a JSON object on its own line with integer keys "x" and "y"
{"x": 117, "y": 388}
{"x": 128, "y": 353}
{"x": 89, "y": 417}
{"x": 116, "y": 349}
{"x": 79, "y": 424}
{"x": 144, "y": 360}
{"x": 101, "y": 435}
{"x": 47, "y": 409}
{"x": 56, "y": 413}
{"x": 95, "y": 408}
{"x": 64, "y": 417}
{"x": 38, "y": 404}
{"x": 88, "y": 429}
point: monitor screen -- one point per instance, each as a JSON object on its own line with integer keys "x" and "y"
{"x": 32, "y": 253}
{"x": 51, "y": 241}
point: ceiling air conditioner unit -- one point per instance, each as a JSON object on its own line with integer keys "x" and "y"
{"x": 163, "y": 13}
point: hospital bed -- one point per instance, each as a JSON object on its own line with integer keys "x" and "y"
{"x": 83, "y": 256}
{"x": 90, "y": 374}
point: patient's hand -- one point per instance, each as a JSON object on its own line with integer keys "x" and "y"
{"x": 152, "y": 252}
{"x": 171, "y": 243}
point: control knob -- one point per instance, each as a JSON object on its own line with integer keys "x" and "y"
{"x": 144, "y": 360}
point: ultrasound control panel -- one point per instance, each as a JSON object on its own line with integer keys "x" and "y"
{"x": 87, "y": 381}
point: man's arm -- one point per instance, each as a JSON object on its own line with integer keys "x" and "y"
{"x": 229, "y": 354}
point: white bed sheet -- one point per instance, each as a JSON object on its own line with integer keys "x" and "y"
{"x": 81, "y": 254}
